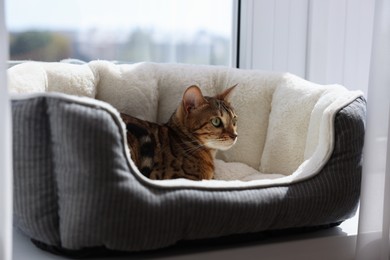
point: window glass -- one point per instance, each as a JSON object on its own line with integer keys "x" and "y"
{"x": 188, "y": 31}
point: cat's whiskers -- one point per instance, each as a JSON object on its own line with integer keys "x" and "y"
{"x": 188, "y": 147}
{"x": 195, "y": 146}
{"x": 191, "y": 142}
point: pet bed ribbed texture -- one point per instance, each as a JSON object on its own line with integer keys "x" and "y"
{"x": 297, "y": 161}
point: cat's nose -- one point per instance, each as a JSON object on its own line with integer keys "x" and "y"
{"x": 233, "y": 135}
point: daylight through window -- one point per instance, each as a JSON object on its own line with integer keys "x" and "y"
{"x": 190, "y": 31}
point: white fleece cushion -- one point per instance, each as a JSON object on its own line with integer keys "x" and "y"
{"x": 33, "y": 77}
{"x": 27, "y": 78}
{"x": 130, "y": 88}
{"x": 285, "y": 123}
{"x": 292, "y": 104}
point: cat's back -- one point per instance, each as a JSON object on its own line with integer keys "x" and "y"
{"x": 143, "y": 138}
{"x": 163, "y": 152}
{"x": 138, "y": 127}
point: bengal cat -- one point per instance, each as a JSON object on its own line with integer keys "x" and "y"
{"x": 185, "y": 146}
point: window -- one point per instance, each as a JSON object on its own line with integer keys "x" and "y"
{"x": 190, "y": 31}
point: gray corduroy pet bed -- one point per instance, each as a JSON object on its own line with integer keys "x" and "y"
{"x": 297, "y": 162}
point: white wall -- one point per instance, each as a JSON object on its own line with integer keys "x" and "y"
{"x": 325, "y": 41}
{"x": 374, "y": 218}
{"x": 5, "y": 149}
{"x": 273, "y": 35}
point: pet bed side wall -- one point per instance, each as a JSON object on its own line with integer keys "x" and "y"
{"x": 102, "y": 202}
{"x": 35, "y": 189}
{"x": 146, "y": 217}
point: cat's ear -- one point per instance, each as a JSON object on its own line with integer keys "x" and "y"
{"x": 226, "y": 95}
{"x": 193, "y": 98}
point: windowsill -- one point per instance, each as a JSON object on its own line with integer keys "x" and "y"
{"x": 334, "y": 243}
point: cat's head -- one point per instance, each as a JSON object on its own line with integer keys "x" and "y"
{"x": 211, "y": 120}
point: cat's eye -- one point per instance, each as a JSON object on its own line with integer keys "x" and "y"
{"x": 216, "y": 121}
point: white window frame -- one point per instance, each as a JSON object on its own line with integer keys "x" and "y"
{"x": 327, "y": 41}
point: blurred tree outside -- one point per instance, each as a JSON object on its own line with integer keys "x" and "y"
{"x": 140, "y": 45}
{"x": 39, "y": 45}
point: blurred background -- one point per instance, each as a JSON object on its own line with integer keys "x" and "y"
{"x": 191, "y": 31}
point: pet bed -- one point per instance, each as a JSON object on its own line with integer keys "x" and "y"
{"x": 297, "y": 161}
